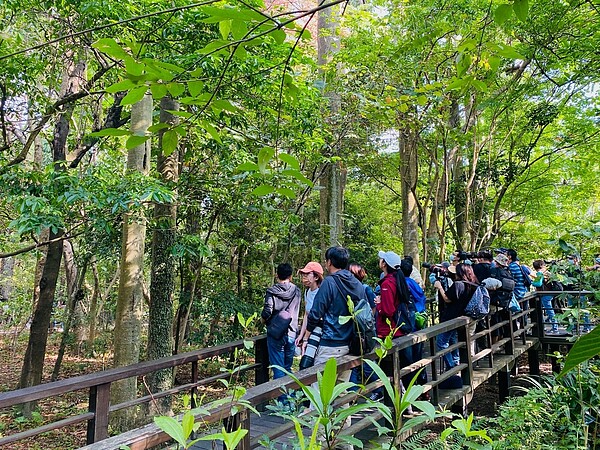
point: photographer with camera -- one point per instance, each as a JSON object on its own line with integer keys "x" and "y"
{"x": 456, "y": 299}
{"x": 440, "y": 273}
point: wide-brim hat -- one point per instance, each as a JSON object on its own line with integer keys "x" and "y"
{"x": 312, "y": 266}
{"x": 392, "y": 259}
{"x": 502, "y": 259}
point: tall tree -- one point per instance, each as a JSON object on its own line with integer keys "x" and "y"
{"x": 162, "y": 282}
{"x": 33, "y": 362}
{"x": 128, "y": 319}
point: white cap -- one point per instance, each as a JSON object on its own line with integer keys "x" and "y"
{"x": 391, "y": 259}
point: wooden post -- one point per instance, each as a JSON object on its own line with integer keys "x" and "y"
{"x": 533, "y": 358}
{"x": 465, "y": 355}
{"x": 99, "y": 403}
{"x": 539, "y": 317}
{"x": 435, "y": 395}
{"x": 261, "y": 374}
{"x": 240, "y": 420}
{"x": 194, "y": 391}
{"x": 553, "y": 360}
{"x": 503, "y": 383}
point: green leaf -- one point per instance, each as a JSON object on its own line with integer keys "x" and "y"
{"x": 169, "y": 142}
{"x": 344, "y": 319}
{"x": 463, "y": 63}
{"x": 195, "y": 87}
{"x": 247, "y": 167}
{"x": 586, "y": 347}
{"x": 187, "y": 424}
{"x": 508, "y": 52}
{"x": 238, "y": 29}
{"x": 157, "y": 127}
{"x": 110, "y": 132}
{"x": 286, "y": 192}
{"x": 279, "y": 36}
{"x": 264, "y": 156}
{"x": 262, "y": 190}
{"x": 111, "y": 48}
{"x": 223, "y": 104}
{"x": 170, "y": 426}
{"x": 225, "y": 28}
{"x": 135, "y": 140}
{"x": 176, "y": 89}
{"x": 289, "y": 160}
{"x": 503, "y": 13}
{"x": 134, "y": 95}
{"x": 212, "y": 131}
{"x": 327, "y": 381}
{"x": 297, "y": 175}
{"x": 133, "y": 67}
{"x": 123, "y": 85}
{"x": 218, "y": 14}
{"x": 521, "y": 8}
{"x": 457, "y": 83}
{"x": 158, "y": 90}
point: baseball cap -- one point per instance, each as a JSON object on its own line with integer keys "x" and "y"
{"x": 502, "y": 259}
{"x": 391, "y": 258}
{"x": 312, "y": 266}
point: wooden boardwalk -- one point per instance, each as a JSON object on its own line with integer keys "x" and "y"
{"x": 271, "y": 427}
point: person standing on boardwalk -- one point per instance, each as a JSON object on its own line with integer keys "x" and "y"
{"x": 280, "y": 314}
{"x": 330, "y": 304}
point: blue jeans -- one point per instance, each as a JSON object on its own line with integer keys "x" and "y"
{"x": 549, "y": 310}
{"x": 444, "y": 341}
{"x": 364, "y": 375}
{"x": 281, "y": 353}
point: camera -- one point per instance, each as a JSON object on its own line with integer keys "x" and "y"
{"x": 437, "y": 269}
{"x": 463, "y": 256}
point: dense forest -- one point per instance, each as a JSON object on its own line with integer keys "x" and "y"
{"x": 159, "y": 159}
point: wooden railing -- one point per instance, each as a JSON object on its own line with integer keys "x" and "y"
{"x": 98, "y": 384}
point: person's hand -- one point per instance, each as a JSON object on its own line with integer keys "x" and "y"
{"x": 304, "y": 344}
{"x": 437, "y": 285}
{"x": 299, "y": 341}
{"x": 377, "y": 299}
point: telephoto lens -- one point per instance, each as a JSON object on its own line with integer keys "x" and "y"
{"x": 308, "y": 359}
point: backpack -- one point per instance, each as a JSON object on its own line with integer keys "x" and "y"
{"x": 405, "y": 316}
{"x": 526, "y": 277}
{"x": 363, "y": 340}
{"x": 479, "y": 304}
{"x": 501, "y": 297}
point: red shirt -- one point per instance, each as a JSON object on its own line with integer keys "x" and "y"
{"x": 387, "y": 306}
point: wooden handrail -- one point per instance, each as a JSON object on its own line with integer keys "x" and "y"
{"x": 267, "y": 391}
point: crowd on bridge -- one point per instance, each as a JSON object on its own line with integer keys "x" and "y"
{"x": 398, "y": 303}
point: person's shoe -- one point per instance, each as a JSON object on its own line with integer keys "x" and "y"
{"x": 376, "y": 396}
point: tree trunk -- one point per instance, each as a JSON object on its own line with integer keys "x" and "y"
{"x": 7, "y": 266}
{"x": 333, "y": 178}
{"x": 33, "y": 363}
{"x": 409, "y": 168}
{"x": 162, "y": 283}
{"x": 130, "y": 302}
{"x": 75, "y": 295}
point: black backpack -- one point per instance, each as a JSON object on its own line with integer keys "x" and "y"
{"x": 501, "y": 297}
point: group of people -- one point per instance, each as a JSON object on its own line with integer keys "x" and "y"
{"x": 322, "y": 336}
{"x": 326, "y": 301}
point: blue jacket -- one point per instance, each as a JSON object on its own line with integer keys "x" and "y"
{"x": 330, "y": 304}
